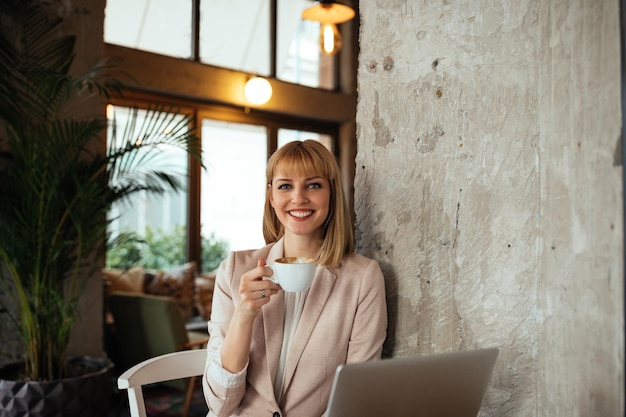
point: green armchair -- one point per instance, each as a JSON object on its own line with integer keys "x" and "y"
{"x": 149, "y": 325}
{"x": 146, "y": 326}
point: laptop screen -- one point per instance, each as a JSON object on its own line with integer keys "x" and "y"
{"x": 441, "y": 385}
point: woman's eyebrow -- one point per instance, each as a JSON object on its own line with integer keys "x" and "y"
{"x": 317, "y": 177}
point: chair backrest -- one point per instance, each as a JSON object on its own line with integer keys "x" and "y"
{"x": 182, "y": 364}
{"x": 146, "y": 326}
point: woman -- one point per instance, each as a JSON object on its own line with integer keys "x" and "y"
{"x": 274, "y": 353}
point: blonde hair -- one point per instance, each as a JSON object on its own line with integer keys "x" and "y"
{"x": 310, "y": 158}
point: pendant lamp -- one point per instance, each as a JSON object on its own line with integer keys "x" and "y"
{"x": 329, "y": 14}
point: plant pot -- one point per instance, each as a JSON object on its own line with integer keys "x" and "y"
{"x": 87, "y": 395}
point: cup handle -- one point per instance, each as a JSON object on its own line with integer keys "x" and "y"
{"x": 271, "y": 278}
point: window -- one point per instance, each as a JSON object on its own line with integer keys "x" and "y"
{"x": 233, "y": 190}
{"x": 298, "y": 58}
{"x": 223, "y": 206}
{"x": 235, "y": 34}
{"x": 163, "y": 26}
{"x": 154, "y": 225}
{"x": 242, "y": 46}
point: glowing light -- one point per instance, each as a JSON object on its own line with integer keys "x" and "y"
{"x": 258, "y": 90}
{"x": 330, "y": 39}
{"x": 329, "y": 14}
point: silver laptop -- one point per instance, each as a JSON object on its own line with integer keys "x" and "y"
{"x": 442, "y": 385}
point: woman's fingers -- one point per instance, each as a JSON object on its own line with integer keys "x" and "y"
{"x": 254, "y": 291}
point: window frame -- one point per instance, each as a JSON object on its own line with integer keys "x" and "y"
{"x": 200, "y": 89}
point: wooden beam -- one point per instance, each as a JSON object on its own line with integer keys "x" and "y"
{"x": 205, "y": 83}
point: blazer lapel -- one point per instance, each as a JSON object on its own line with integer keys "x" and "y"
{"x": 316, "y": 299}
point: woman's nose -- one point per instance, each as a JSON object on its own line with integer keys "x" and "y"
{"x": 299, "y": 195}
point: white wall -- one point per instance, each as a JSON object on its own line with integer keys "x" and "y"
{"x": 489, "y": 186}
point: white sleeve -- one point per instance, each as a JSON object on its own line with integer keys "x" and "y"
{"x": 221, "y": 375}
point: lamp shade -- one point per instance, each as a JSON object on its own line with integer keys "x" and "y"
{"x": 258, "y": 90}
{"x": 328, "y": 13}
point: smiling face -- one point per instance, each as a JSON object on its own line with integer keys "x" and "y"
{"x": 304, "y": 203}
{"x": 301, "y": 203}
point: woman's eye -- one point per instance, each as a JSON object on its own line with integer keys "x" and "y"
{"x": 314, "y": 185}
{"x": 283, "y": 186}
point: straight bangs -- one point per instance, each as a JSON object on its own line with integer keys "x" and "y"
{"x": 300, "y": 161}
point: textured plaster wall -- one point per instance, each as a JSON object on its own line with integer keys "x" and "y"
{"x": 489, "y": 186}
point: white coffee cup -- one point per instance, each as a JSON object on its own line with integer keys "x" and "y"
{"x": 293, "y": 274}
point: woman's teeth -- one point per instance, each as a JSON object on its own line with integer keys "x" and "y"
{"x": 301, "y": 214}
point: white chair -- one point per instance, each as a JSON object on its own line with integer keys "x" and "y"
{"x": 176, "y": 365}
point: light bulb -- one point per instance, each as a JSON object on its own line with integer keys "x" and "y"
{"x": 330, "y": 39}
{"x": 329, "y": 14}
{"x": 258, "y": 90}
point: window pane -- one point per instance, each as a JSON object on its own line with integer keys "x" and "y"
{"x": 233, "y": 185}
{"x": 160, "y": 26}
{"x": 235, "y": 34}
{"x": 158, "y": 222}
{"x": 288, "y": 135}
{"x": 298, "y": 57}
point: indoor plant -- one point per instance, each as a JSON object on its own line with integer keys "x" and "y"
{"x": 57, "y": 180}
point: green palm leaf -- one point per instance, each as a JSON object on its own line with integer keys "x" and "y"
{"x": 58, "y": 180}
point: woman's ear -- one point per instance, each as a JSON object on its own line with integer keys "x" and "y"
{"x": 270, "y": 195}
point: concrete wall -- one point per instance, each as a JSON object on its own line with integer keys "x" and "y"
{"x": 489, "y": 186}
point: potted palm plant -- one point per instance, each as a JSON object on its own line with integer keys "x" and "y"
{"x": 57, "y": 183}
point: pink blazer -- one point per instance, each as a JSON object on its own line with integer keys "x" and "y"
{"x": 344, "y": 320}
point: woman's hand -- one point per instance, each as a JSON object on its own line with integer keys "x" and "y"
{"x": 254, "y": 291}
